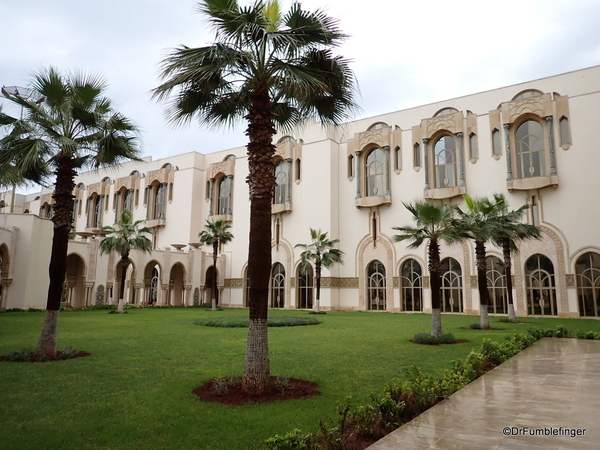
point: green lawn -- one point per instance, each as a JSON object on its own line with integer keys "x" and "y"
{"x": 134, "y": 391}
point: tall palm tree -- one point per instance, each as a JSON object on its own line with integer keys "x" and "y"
{"x": 479, "y": 222}
{"x": 271, "y": 69}
{"x": 507, "y": 235}
{"x": 72, "y": 128}
{"x": 435, "y": 223}
{"x": 321, "y": 251}
{"x": 216, "y": 234}
{"x": 122, "y": 238}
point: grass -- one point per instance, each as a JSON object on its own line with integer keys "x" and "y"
{"x": 134, "y": 391}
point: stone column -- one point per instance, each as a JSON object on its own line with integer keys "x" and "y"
{"x": 550, "y": 123}
{"x": 230, "y": 178}
{"x": 426, "y": 162}
{"x": 358, "y": 174}
{"x": 211, "y": 195}
{"x": 461, "y": 159}
{"x": 509, "y": 174}
{"x": 386, "y": 150}
{"x": 288, "y": 193}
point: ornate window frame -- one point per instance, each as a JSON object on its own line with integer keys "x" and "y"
{"x": 378, "y": 136}
{"x": 447, "y": 122}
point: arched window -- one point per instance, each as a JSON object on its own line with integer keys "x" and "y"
{"x": 277, "y": 286}
{"x": 531, "y": 158}
{"x": 496, "y": 283}
{"x": 282, "y": 183}
{"x": 376, "y": 286}
{"x": 159, "y": 193}
{"x": 541, "y": 287}
{"x": 412, "y": 286}
{"x": 95, "y": 209}
{"x": 375, "y": 173}
{"x": 451, "y": 289}
{"x": 416, "y": 155}
{"x": 378, "y": 126}
{"x": 154, "y": 286}
{"x": 305, "y": 289}
{"x": 224, "y": 196}
{"x": 444, "y": 159}
{"x": 588, "y": 284}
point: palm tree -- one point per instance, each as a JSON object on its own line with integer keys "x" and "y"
{"x": 479, "y": 222}
{"x": 506, "y": 236}
{"x": 72, "y": 128}
{"x": 124, "y": 237}
{"x": 321, "y": 251}
{"x": 216, "y": 234}
{"x": 435, "y": 223}
{"x": 270, "y": 69}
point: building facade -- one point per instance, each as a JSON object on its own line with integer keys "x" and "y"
{"x": 534, "y": 142}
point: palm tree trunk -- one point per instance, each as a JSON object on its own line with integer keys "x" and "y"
{"x": 318, "y": 278}
{"x": 435, "y": 285}
{"x": 261, "y": 181}
{"x": 215, "y": 284}
{"x": 484, "y": 296}
{"x": 62, "y": 219}
{"x": 508, "y": 273}
{"x": 123, "y": 263}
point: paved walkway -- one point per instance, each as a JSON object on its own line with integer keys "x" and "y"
{"x": 554, "y": 383}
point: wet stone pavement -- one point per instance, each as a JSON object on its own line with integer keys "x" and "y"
{"x": 546, "y": 397}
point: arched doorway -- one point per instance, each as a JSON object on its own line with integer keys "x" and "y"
{"x": 411, "y": 286}
{"x": 74, "y": 282}
{"x": 588, "y": 284}
{"x": 209, "y": 286}
{"x": 496, "y": 283}
{"x": 541, "y": 287}
{"x": 305, "y": 288}
{"x": 376, "y": 289}
{"x": 176, "y": 284}
{"x": 152, "y": 274}
{"x": 451, "y": 289}
{"x": 278, "y": 286}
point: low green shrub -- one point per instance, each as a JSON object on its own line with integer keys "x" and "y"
{"x": 587, "y": 335}
{"x": 426, "y": 338}
{"x": 317, "y": 312}
{"x": 21, "y": 355}
{"x": 294, "y": 440}
{"x": 67, "y": 352}
{"x": 475, "y": 326}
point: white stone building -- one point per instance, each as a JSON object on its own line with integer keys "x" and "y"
{"x": 534, "y": 142}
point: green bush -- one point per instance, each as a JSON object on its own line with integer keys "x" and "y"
{"x": 426, "y": 338}
{"x": 293, "y": 440}
{"x": 67, "y": 352}
{"x": 475, "y": 326}
{"x": 21, "y": 355}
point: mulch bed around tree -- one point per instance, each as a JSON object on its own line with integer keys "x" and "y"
{"x": 58, "y": 358}
{"x": 293, "y": 389}
{"x": 458, "y": 341}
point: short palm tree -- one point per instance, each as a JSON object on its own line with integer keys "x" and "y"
{"x": 216, "y": 234}
{"x": 124, "y": 237}
{"x": 73, "y": 127}
{"x": 434, "y": 223}
{"x": 479, "y": 222}
{"x": 271, "y": 69}
{"x": 321, "y": 251}
{"x": 507, "y": 235}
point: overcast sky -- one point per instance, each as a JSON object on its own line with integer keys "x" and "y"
{"x": 405, "y": 53}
